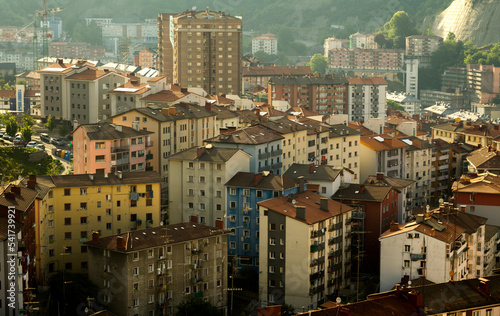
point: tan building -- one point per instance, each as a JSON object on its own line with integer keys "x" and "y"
{"x": 422, "y": 47}
{"x": 196, "y": 182}
{"x": 201, "y": 49}
{"x": 304, "y": 249}
{"x": 175, "y": 129}
{"x": 151, "y": 271}
{"x": 344, "y": 149}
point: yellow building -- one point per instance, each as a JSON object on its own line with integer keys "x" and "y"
{"x": 71, "y": 207}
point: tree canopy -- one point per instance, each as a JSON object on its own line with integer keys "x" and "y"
{"x": 398, "y": 28}
{"x": 318, "y": 64}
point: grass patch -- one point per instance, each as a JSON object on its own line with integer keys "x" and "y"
{"x": 14, "y": 162}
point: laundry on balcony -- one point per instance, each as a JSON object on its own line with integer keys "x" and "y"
{"x": 134, "y": 196}
{"x": 149, "y": 194}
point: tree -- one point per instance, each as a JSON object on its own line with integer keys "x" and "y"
{"x": 399, "y": 27}
{"x": 26, "y": 133}
{"x": 394, "y": 105}
{"x": 11, "y": 126}
{"x": 287, "y": 310}
{"x": 51, "y": 124}
{"x": 28, "y": 120}
{"x": 64, "y": 130}
{"x": 381, "y": 41}
{"x": 197, "y": 307}
{"x": 318, "y": 64}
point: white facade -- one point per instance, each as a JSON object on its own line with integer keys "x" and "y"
{"x": 267, "y": 43}
{"x": 331, "y": 43}
{"x": 366, "y": 101}
{"x": 412, "y": 76}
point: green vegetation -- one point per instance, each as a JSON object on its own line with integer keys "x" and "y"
{"x": 197, "y": 307}
{"x": 14, "y": 162}
{"x": 11, "y": 126}
{"x": 64, "y": 130}
{"x": 90, "y": 34}
{"x": 394, "y": 105}
{"x": 50, "y": 124}
{"x": 318, "y": 64}
{"x": 396, "y": 30}
{"x": 27, "y": 130}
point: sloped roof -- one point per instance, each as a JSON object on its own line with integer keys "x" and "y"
{"x": 312, "y": 172}
{"x": 22, "y": 201}
{"x": 276, "y": 70}
{"x": 212, "y": 154}
{"x": 486, "y": 183}
{"x": 283, "y": 126}
{"x": 308, "y": 199}
{"x": 484, "y": 158}
{"x": 109, "y": 131}
{"x": 364, "y": 81}
{"x": 82, "y": 180}
{"x": 267, "y": 181}
{"x": 397, "y": 183}
{"x": 341, "y": 130}
{"x": 361, "y": 192}
{"x": 252, "y": 135}
{"x": 88, "y": 74}
{"x": 157, "y": 236}
{"x": 388, "y": 142}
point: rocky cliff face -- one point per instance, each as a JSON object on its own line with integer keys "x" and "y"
{"x": 475, "y": 20}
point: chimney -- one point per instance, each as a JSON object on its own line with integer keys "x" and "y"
{"x": 31, "y": 184}
{"x": 420, "y": 218}
{"x": 459, "y": 145}
{"x": 415, "y": 299}
{"x": 120, "y": 242}
{"x": 95, "y": 237}
{"x": 462, "y": 208}
{"x": 199, "y": 151}
{"x": 10, "y": 196}
{"x": 32, "y": 177}
{"x": 323, "y": 204}
{"x": 362, "y": 189}
{"x": 184, "y": 105}
{"x": 219, "y": 223}
{"x": 302, "y": 182}
{"x": 91, "y": 176}
{"x": 184, "y": 90}
{"x": 484, "y": 285}
{"x": 120, "y": 175}
{"x": 208, "y": 106}
{"x": 193, "y": 219}
{"x": 106, "y": 70}
{"x": 60, "y": 62}
{"x": 118, "y": 128}
{"x": 135, "y": 125}
{"x": 311, "y": 168}
{"x": 433, "y": 232}
{"x": 417, "y": 143}
{"x": 394, "y": 227}
{"x": 301, "y": 212}
{"x": 380, "y": 176}
{"x": 106, "y": 175}
{"x": 15, "y": 190}
{"x": 257, "y": 112}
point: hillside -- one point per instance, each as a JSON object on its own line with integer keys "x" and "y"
{"x": 475, "y": 20}
{"x": 307, "y": 22}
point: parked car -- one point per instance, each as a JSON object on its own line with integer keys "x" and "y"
{"x": 19, "y": 141}
{"x": 32, "y": 144}
{"x": 40, "y": 146}
{"x": 45, "y": 137}
{"x": 2, "y": 133}
{"x": 7, "y": 137}
{"x": 57, "y": 142}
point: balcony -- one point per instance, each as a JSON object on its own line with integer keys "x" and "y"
{"x": 277, "y": 166}
{"x": 120, "y": 149}
{"x": 314, "y": 233}
{"x": 275, "y": 153}
{"x": 149, "y": 143}
{"x": 149, "y": 168}
{"x": 264, "y": 155}
{"x": 334, "y": 240}
{"x": 358, "y": 215}
{"x": 316, "y": 275}
{"x": 118, "y": 162}
{"x": 149, "y": 156}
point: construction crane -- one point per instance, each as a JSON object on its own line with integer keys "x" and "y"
{"x": 44, "y": 24}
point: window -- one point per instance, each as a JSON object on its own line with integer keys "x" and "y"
{"x": 83, "y": 220}
{"x": 67, "y": 221}
{"x": 67, "y": 192}
{"x": 100, "y": 145}
{"x": 259, "y": 193}
{"x": 407, "y": 263}
{"x": 67, "y": 206}
{"x": 135, "y": 256}
{"x": 191, "y": 165}
{"x": 202, "y": 179}
{"x": 232, "y": 204}
{"x": 83, "y": 206}
{"x": 272, "y": 226}
{"x": 407, "y": 248}
{"x": 272, "y": 241}
{"x": 136, "y": 302}
{"x": 272, "y": 255}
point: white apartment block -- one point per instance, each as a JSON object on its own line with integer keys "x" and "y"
{"x": 267, "y": 43}
{"x": 366, "y": 98}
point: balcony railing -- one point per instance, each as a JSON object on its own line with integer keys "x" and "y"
{"x": 358, "y": 215}
{"x": 275, "y": 153}
{"x": 120, "y": 149}
{"x": 264, "y": 155}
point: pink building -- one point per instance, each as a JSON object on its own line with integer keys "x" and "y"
{"x": 106, "y": 147}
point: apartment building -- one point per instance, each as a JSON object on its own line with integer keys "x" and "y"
{"x": 382, "y": 153}
{"x": 173, "y": 129}
{"x": 172, "y": 95}
{"x": 304, "y": 251}
{"x": 108, "y": 148}
{"x": 441, "y": 245}
{"x": 196, "y": 182}
{"x": 362, "y": 40}
{"x": 146, "y": 58}
{"x": 366, "y": 98}
{"x": 326, "y": 177}
{"x": 244, "y": 190}
{"x": 76, "y": 50}
{"x": 258, "y": 76}
{"x": 332, "y": 42}
{"x": 418, "y": 167}
{"x": 375, "y": 207}
{"x": 454, "y": 79}
{"x": 410, "y": 103}
{"x": 267, "y": 43}
{"x": 159, "y": 268}
{"x": 344, "y": 149}
{"x": 262, "y": 144}
{"x": 483, "y": 82}
{"x": 317, "y": 140}
{"x": 422, "y": 47}
{"x": 455, "y": 99}
{"x": 366, "y": 59}
{"x": 77, "y": 92}
{"x": 322, "y": 95}
{"x": 404, "y": 187}
{"x": 201, "y": 49}
{"x": 72, "y": 207}
{"x": 294, "y": 142}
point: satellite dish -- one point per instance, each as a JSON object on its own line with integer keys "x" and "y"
{"x": 86, "y": 310}
{"x": 338, "y": 300}
{"x": 441, "y": 201}
{"x": 409, "y": 283}
{"x": 193, "y": 8}
{"x": 294, "y": 202}
{"x": 161, "y": 223}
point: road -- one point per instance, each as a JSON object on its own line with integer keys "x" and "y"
{"x": 48, "y": 148}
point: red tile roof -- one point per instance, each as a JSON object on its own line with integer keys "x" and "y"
{"x": 372, "y": 80}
